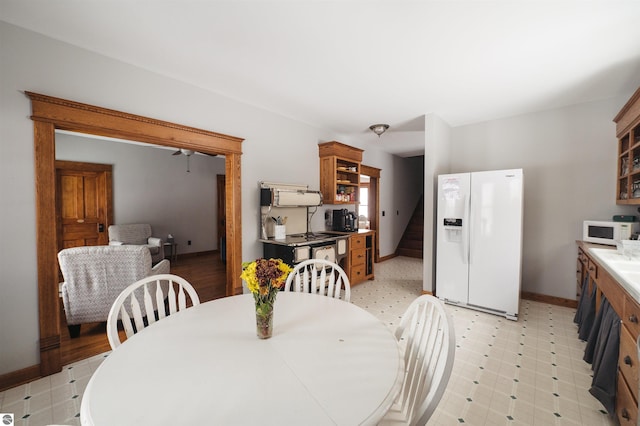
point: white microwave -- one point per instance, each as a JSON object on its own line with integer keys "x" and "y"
{"x": 603, "y": 232}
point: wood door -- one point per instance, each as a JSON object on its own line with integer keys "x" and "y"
{"x": 83, "y": 203}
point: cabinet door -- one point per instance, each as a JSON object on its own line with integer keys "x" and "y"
{"x": 626, "y": 407}
{"x": 628, "y": 360}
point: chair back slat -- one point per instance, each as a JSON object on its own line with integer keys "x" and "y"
{"x": 136, "y": 312}
{"x": 182, "y": 299}
{"x": 326, "y": 282}
{"x": 148, "y": 304}
{"x": 126, "y": 322}
{"x": 306, "y": 281}
{"x": 321, "y": 277}
{"x": 160, "y": 301}
{"x": 172, "y": 300}
{"x": 136, "y": 317}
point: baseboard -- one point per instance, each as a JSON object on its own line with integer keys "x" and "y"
{"x": 197, "y": 253}
{"x": 19, "y": 377}
{"x": 552, "y": 300}
{"x": 391, "y": 256}
{"x": 543, "y": 298}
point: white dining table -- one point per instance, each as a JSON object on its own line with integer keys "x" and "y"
{"x": 329, "y": 362}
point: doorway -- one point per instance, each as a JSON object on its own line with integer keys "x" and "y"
{"x": 370, "y": 191}
{"x": 49, "y": 114}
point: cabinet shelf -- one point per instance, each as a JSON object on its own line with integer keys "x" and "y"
{"x": 628, "y": 134}
{"x": 339, "y": 172}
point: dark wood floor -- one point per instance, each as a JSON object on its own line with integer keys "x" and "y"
{"x": 205, "y": 271}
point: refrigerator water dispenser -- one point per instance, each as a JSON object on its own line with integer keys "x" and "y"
{"x": 453, "y": 229}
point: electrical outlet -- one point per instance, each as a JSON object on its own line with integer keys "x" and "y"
{"x": 189, "y": 242}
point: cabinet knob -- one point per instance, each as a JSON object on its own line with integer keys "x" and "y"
{"x": 633, "y": 318}
{"x": 625, "y": 414}
{"x": 627, "y": 360}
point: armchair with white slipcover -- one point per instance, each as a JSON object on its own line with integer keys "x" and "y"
{"x": 137, "y": 234}
{"x": 94, "y": 276}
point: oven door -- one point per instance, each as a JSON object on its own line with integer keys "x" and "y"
{"x": 324, "y": 252}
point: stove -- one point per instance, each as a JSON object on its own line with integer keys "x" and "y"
{"x": 297, "y": 248}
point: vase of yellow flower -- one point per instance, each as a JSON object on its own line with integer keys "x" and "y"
{"x": 265, "y": 278}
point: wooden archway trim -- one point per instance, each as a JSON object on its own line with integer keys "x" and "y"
{"x": 49, "y": 114}
{"x": 374, "y": 187}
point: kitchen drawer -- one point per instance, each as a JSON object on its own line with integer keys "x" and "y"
{"x": 626, "y": 407}
{"x": 358, "y": 242}
{"x": 358, "y": 256}
{"x": 631, "y": 316}
{"x": 357, "y": 274}
{"x": 628, "y": 360}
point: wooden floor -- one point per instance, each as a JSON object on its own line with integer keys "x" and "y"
{"x": 205, "y": 271}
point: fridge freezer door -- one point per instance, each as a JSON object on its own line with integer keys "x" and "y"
{"x": 496, "y": 240}
{"x": 452, "y": 233}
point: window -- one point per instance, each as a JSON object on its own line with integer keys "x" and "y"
{"x": 363, "y": 208}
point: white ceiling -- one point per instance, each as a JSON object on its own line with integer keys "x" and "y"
{"x": 344, "y": 65}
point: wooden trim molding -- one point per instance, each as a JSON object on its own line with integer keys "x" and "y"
{"x": 552, "y": 300}
{"x": 387, "y": 257}
{"x": 19, "y": 377}
{"x": 374, "y": 187}
{"x": 49, "y": 114}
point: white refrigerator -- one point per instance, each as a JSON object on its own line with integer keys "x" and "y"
{"x": 479, "y": 240}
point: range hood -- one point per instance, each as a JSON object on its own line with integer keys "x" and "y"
{"x": 288, "y": 197}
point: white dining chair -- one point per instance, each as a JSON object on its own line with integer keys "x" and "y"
{"x": 427, "y": 337}
{"x": 321, "y": 277}
{"x": 160, "y": 296}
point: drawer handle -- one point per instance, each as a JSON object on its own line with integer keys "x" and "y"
{"x": 627, "y": 360}
{"x": 633, "y": 318}
{"x": 625, "y": 414}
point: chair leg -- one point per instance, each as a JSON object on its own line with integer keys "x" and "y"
{"x": 74, "y": 330}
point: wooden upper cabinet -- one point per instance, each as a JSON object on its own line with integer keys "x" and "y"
{"x": 628, "y": 134}
{"x": 339, "y": 172}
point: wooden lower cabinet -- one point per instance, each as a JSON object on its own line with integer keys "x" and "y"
{"x": 629, "y": 312}
{"x": 626, "y": 406}
{"x": 360, "y": 260}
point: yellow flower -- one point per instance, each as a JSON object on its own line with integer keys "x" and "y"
{"x": 265, "y": 278}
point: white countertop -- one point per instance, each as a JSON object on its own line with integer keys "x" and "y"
{"x": 625, "y": 270}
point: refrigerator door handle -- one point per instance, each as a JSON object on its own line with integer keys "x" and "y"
{"x": 466, "y": 232}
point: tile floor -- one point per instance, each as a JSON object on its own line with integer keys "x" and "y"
{"x": 528, "y": 372}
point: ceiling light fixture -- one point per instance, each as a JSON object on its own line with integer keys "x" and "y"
{"x": 379, "y": 129}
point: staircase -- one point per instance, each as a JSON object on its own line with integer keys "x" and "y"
{"x": 411, "y": 243}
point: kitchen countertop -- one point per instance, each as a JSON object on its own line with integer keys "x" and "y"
{"x": 358, "y": 232}
{"x": 304, "y": 239}
{"x": 625, "y": 270}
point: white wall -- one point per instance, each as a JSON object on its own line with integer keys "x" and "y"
{"x": 437, "y": 160}
{"x": 150, "y": 185}
{"x": 569, "y": 160}
{"x": 275, "y": 149}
